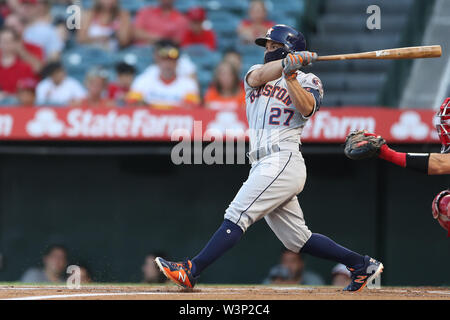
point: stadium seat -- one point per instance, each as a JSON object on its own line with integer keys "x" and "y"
{"x": 130, "y": 5}
{"x": 377, "y": 42}
{"x": 360, "y": 98}
{"x": 8, "y": 101}
{"x": 204, "y": 78}
{"x": 79, "y": 60}
{"x": 331, "y": 81}
{"x": 249, "y": 49}
{"x": 202, "y": 56}
{"x": 340, "y": 43}
{"x": 225, "y": 43}
{"x": 138, "y": 56}
{"x": 185, "y": 5}
{"x": 351, "y": 23}
{"x": 360, "y": 6}
{"x": 279, "y": 17}
{"x": 236, "y": 6}
{"x": 133, "y": 5}
{"x": 223, "y": 22}
{"x": 292, "y": 8}
{"x": 92, "y": 53}
{"x": 324, "y": 44}
{"x": 370, "y": 65}
{"x": 87, "y": 4}
{"x": 328, "y": 66}
{"x": 364, "y": 81}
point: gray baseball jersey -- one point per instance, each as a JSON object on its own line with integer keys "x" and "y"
{"x": 278, "y": 171}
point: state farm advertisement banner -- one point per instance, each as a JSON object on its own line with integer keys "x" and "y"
{"x": 329, "y": 125}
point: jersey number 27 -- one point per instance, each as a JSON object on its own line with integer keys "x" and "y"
{"x": 275, "y": 114}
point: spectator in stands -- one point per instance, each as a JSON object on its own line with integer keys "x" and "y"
{"x": 134, "y": 99}
{"x": 279, "y": 274}
{"x": 150, "y": 271}
{"x": 106, "y": 25}
{"x": 341, "y": 276}
{"x": 57, "y": 88}
{"x": 96, "y": 84}
{"x": 168, "y": 89}
{"x": 298, "y": 275}
{"x": 257, "y": 23}
{"x": 117, "y": 91}
{"x": 54, "y": 267}
{"x": 39, "y": 30}
{"x": 234, "y": 57}
{"x": 85, "y": 274}
{"x": 226, "y": 92}
{"x": 9, "y": 6}
{"x": 196, "y": 34}
{"x": 28, "y": 52}
{"x": 12, "y": 67}
{"x": 26, "y": 92}
{"x": 160, "y": 22}
{"x": 185, "y": 66}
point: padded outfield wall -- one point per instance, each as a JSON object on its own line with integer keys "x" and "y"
{"x": 110, "y": 210}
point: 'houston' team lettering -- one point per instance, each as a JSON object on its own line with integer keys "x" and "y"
{"x": 272, "y": 91}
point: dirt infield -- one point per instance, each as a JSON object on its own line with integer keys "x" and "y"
{"x": 169, "y": 292}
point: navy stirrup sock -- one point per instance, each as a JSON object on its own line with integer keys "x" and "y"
{"x": 323, "y": 247}
{"x": 225, "y": 238}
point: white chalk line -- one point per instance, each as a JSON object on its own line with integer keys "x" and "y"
{"x": 81, "y": 295}
{"x": 221, "y": 291}
{"x": 439, "y": 292}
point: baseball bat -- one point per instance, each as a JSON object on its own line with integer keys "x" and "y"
{"x": 396, "y": 53}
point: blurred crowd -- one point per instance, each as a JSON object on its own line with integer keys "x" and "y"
{"x": 291, "y": 270}
{"x": 34, "y": 36}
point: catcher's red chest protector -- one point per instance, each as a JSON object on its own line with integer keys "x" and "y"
{"x": 440, "y": 209}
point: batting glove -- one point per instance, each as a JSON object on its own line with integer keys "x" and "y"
{"x": 294, "y": 61}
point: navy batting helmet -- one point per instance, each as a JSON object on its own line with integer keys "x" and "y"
{"x": 292, "y": 40}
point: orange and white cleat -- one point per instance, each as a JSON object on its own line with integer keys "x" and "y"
{"x": 178, "y": 272}
{"x": 364, "y": 275}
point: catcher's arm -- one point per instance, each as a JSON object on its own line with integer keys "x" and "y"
{"x": 363, "y": 145}
{"x": 415, "y": 161}
{"x": 439, "y": 164}
{"x": 429, "y": 163}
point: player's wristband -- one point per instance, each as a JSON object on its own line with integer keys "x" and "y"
{"x": 418, "y": 161}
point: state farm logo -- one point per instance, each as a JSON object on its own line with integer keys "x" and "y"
{"x": 410, "y": 125}
{"x": 45, "y": 122}
{"x": 77, "y": 123}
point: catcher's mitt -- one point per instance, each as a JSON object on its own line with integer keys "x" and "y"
{"x": 362, "y": 145}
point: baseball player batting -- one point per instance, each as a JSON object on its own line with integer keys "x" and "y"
{"x": 280, "y": 99}
{"x": 364, "y": 145}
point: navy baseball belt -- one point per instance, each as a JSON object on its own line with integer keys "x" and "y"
{"x": 262, "y": 152}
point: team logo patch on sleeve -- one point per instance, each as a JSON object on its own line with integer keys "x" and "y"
{"x": 318, "y": 83}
